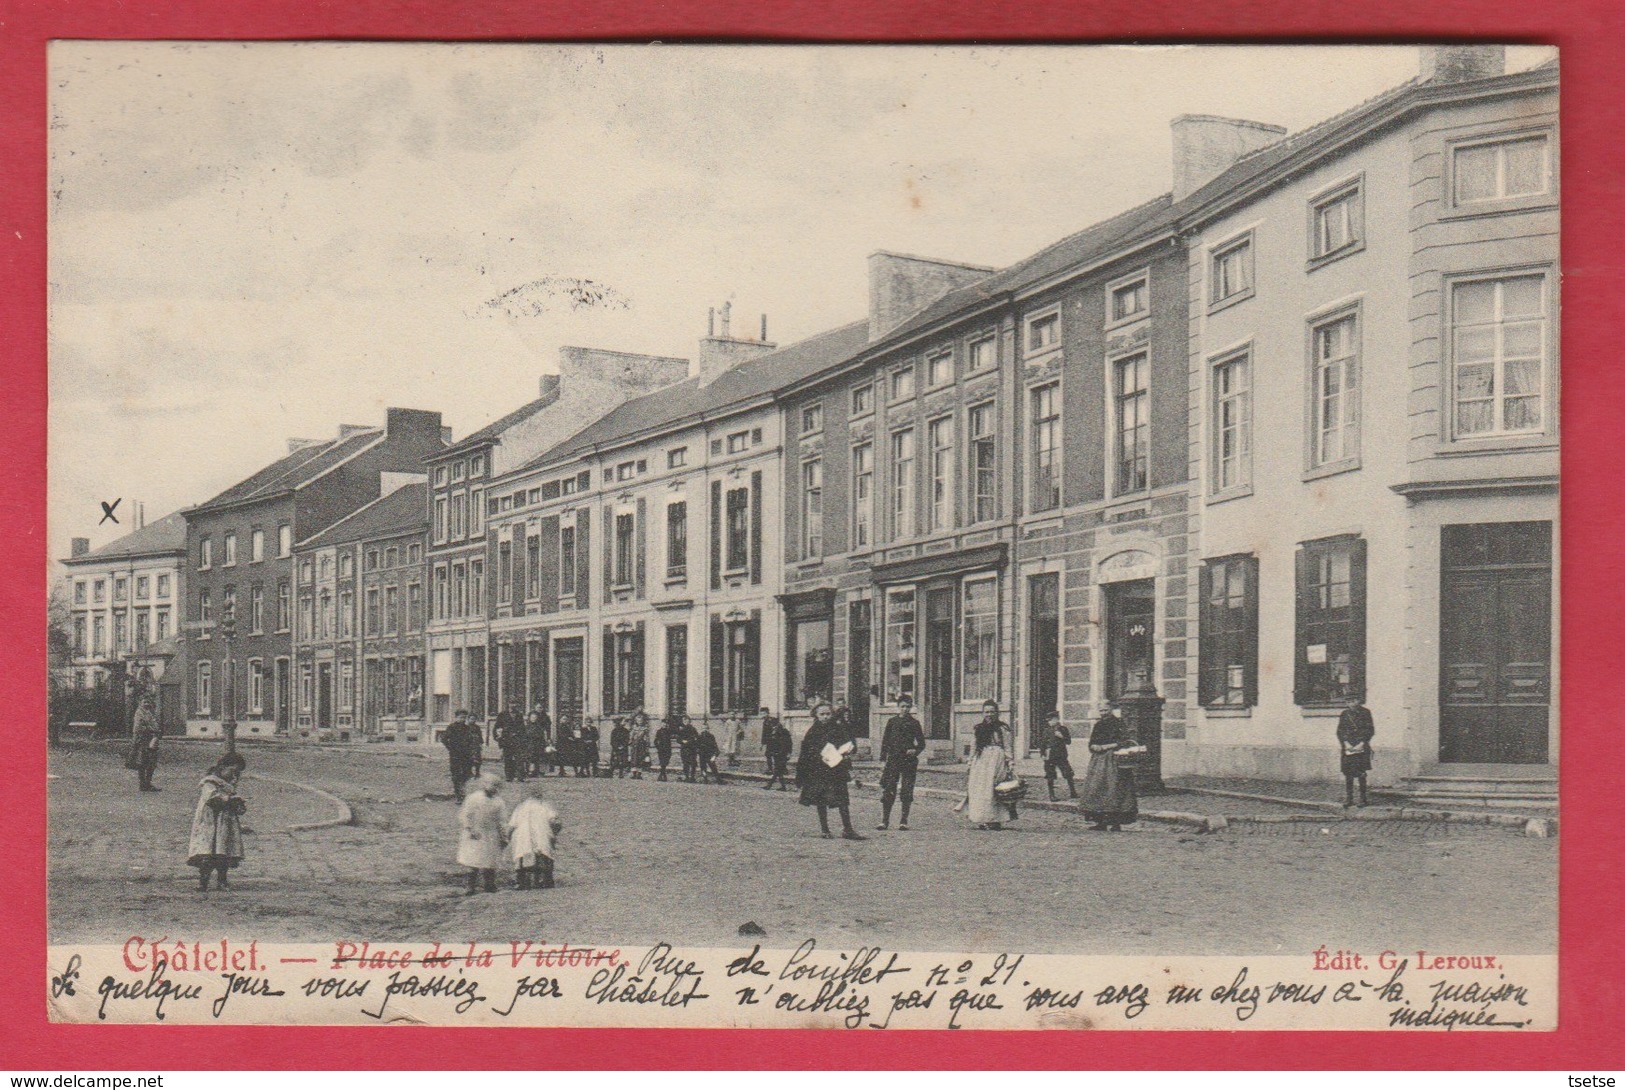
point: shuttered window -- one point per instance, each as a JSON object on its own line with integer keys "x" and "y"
{"x": 1330, "y": 652}
{"x": 1229, "y": 633}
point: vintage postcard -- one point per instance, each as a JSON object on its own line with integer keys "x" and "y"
{"x": 783, "y": 537}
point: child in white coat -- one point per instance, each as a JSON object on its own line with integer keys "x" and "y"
{"x": 533, "y": 830}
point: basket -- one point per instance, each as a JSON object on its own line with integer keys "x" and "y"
{"x": 1131, "y": 755}
{"x": 1011, "y": 790}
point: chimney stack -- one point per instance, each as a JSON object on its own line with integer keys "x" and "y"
{"x": 900, "y": 286}
{"x": 1206, "y": 146}
{"x": 445, "y": 434}
{"x": 549, "y": 386}
{"x": 764, "y": 328}
{"x": 727, "y": 311}
{"x": 720, "y": 351}
{"x": 80, "y": 546}
{"x": 1459, "y": 63}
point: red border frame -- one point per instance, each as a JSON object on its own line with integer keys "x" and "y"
{"x": 1591, "y": 986}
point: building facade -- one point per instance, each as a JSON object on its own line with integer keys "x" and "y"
{"x": 359, "y": 624}
{"x": 1373, "y": 375}
{"x": 590, "y": 383}
{"x": 240, "y": 574}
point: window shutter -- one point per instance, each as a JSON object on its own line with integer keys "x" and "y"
{"x": 718, "y": 649}
{"x": 609, "y": 551}
{"x": 750, "y": 684}
{"x": 1357, "y": 616}
{"x": 756, "y": 528}
{"x": 608, "y": 705}
{"x": 716, "y": 535}
{"x": 1206, "y": 667}
{"x": 549, "y": 562}
{"x": 641, "y": 538}
{"x": 1250, "y": 633}
{"x": 520, "y": 570}
{"x": 636, "y": 697}
{"x": 584, "y": 558}
{"x": 1303, "y": 562}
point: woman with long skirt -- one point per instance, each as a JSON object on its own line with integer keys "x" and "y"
{"x": 990, "y": 766}
{"x": 216, "y": 844}
{"x": 823, "y": 785}
{"x": 1109, "y": 799}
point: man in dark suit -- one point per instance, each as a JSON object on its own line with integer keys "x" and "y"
{"x": 509, "y": 735}
{"x": 663, "y": 740}
{"x": 1355, "y": 729}
{"x": 462, "y": 740}
{"x": 1057, "y": 758}
{"x": 777, "y": 745}
{"x": 901, "y": 744}
{"x": 620, "y": 748}
{"x": 688, "y": 744}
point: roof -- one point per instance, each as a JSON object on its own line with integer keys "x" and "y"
{"x": 296, "y": 469}
{"x": 167, "y": 535}
{"x": 689, "y": 400}
{"x": 494, "y": 430}
{"x": 398, "y": 512}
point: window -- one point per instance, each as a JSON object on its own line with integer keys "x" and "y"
{"x": 256, "y": 608}
{"x": 442, "y": 508}
{"x": 738, "y": 441}
{"x": 939, "y": 368}
{"x": 163, "y": 586}
{"x": 142, "y": 632}
{"x": 939, "y": 435}
{"x": 863, "y": 399}
{"x": 414, "y": 607}
{"x": 1330, "y": 649}
{"x": 476, "y": 465}
{"x": 716, "y": 446}
{"x": 325, "y": 614}
{"x": 863, "y": 493}
{"x": 306, "y": 689}
{"x": 256, "y": 686}
{"x": 677, "y": 458}
{"x": 205, "y": 606}
{"x": 1335, "y": 389}
{"x": 625, "y": 471}
{"x": 307, "y": 616}
{"x": 346, "y": 614}
{"x": 1498, "y": 355}
{"x": 392, "y": 610}
{"x": 979, "y": 625}
{"x": 439, "y": 476}
{"x": 81, "y": 637}
{"x": 230, "y": 550}
{"x": 1232, "y": 422}
{"x": 1501, "y": 170}
{"x": 98, "y": 626}
{"x": 1336, "y": 222}
{"x": 205, "y": 554}
{"x": 121, "y": 589}
{"x": 79, "y": 595}
{"x": 1043, "y": 331}
{"x": 900, "y": 644}
{"x": 283, "y": 605}
{"x": 677, "y": 540}
{"x": 284, "y": 539}
{"x": 812, "y": 419}
{"x": 414, "y": 554}
{"x": 305, "y": 571}
{"x": 205, "y": 688}
{"x": 756, "y": 437}
{"x": 1229, "y": 634}
{"x": 457, "y": 471}
{"x": 476, "y": 588}
{"x": 809, "y": 668}
{"x": 1129, "y": 300}
{"x": 371, "y": 561}
{"x": 346, "y": 686}
{"x": 476, "y": 512}
{"x": 628, "y": 677}
{"x": 625, "y": 531}
{"x": 982, "y": 353}
{"x": 902, "y": 383}
{"x": 738, "y": 539}
{"x": 369, "y": 612}
{"x": 327, "y": 567}
{"x": 1133, "y": 419}
{"x": 459, "y": 590}
{"x": 741, "y": 666}
{"x": 459, "y": 515}
{"x": 161, "y": 628}
{"x": 1230, "y": 272}
{"x": 812, "y": 509}
{"x": 1045, "y": 491}
{"x": 101, "y": 591}
{"x": 256, "y": 546}
{"x": 442, "y": 593}
{"x": 143, "y": 588}
{"x": 902, "y": 503}
{"x": 567, "y": 561}
{"x": 346, "y": 565}
{"x": 120, "y": 632}
{"x": 505, "y": 571}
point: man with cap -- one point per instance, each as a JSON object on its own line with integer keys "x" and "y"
{"x": 663, "y": 740}
{"x": 1057, "y": 758}
{"x": 901, "y": 744}
{"x": 462, "y": 741}
{"x": 509, "y": 734}
{"x": 778, "y": 745}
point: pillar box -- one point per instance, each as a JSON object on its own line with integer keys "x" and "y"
{"x": 1142, "y": 715}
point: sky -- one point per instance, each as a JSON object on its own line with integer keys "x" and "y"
{"x": 252, "y": 242}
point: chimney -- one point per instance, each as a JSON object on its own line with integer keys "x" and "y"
{"x": 548, "y": 387}
{"x": 295, "y": 445}
{"x": 630, "y": 373}
{"x": 900, "y": 286}
{"x": 445, "y": 435}
{"x": 721, "y": 352}
{"x": 140, "y": 515}
{"x": 80, "y": 546}
{"x": 347, "y": 430}
{"x": 1459, "y": 63}
{"x": 1206, "y": 146}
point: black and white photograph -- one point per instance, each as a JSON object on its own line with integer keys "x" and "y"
{"x": 764, "y": 535}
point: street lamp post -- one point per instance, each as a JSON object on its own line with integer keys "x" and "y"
{"x": 228, "y": 630}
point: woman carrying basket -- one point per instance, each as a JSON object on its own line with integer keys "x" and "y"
{"x": 991, "y": 788}
{"x": 1109, "y": 800}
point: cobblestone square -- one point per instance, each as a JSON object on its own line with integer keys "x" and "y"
{"x": 642, "y": 861}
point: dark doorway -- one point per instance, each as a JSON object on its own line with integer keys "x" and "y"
{"x": 282, "y": 695}
{"x": 860, "y": 636}
{"x": 676, "y": 669}
{"x": 1131, "y": 623}
{"x": 939, "y": 662}
{"x": 1495, "y": 643}
{"x": 536, "y": 675}
{"x": 324, "y": 696}
{"x": 1043, "y": 653}
{"x": 567, "y": 664}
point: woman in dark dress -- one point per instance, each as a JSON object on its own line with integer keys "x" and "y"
{"x": 1355, "y": 730}
{"x": 824, "y": 785}
{"x": 1109, "y": 799}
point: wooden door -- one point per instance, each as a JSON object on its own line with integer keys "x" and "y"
{"x": 939, "y": 662}
{"x": 860, "y": 635}
{"x": 1043, "y": 654}
{"x": 567, "y": 677}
